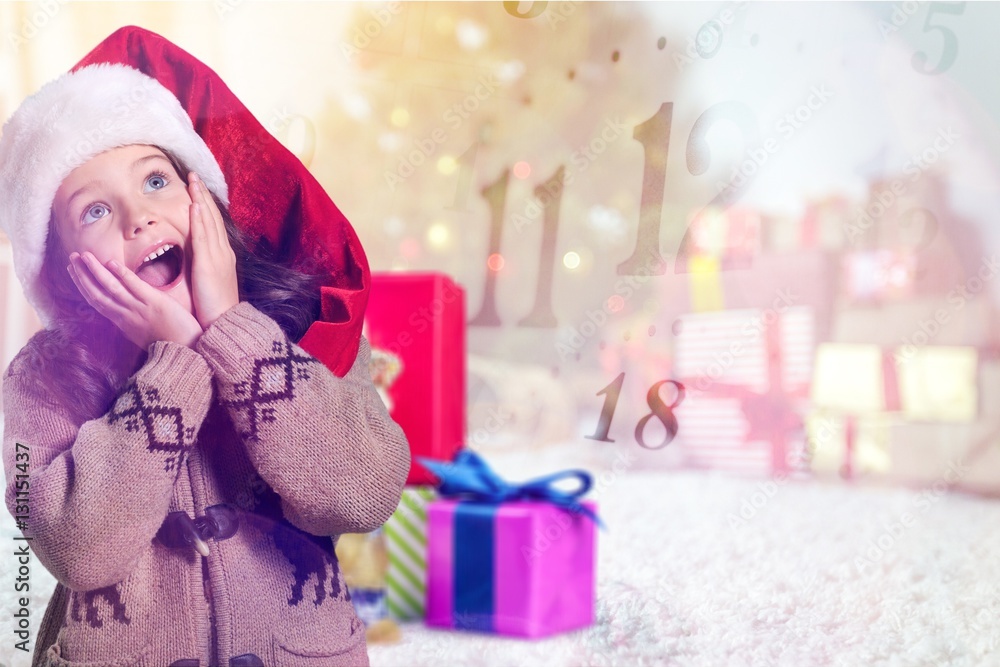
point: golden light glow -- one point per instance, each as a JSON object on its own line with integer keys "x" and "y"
{"x": 400, "y": 117}
{"x": 495, "y": 261}
{"x": 438, "y": 235}
{"x": 446, "y": 164}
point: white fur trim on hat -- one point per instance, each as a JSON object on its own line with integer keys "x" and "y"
{"x": 68, "y": 121}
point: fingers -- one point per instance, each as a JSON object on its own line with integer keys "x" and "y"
{"x": 208, "y": 213}
{"x": 135, "y": 285}
{"x": 197, "y": 225}
{"x": 87, "y": 286}
{"x": 84, "y": 279}
{"x": 99, "y": 286}
{"x": 81, "y": 281}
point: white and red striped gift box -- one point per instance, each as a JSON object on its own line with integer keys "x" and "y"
{"x": 747, "y": 374}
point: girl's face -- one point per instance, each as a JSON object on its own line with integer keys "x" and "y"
{"x": 125, "y": 204}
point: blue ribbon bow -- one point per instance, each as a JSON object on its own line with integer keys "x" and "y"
{"x": 471, "y": 477}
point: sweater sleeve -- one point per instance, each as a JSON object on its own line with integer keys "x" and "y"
{"x": 325, "y": 444}
{"x": 97, "y": 493}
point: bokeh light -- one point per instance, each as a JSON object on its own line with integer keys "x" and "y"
{"x": 400, "y": 117}
{"x": 495, "y": 262}
{"x": 393, "y": 225}
{"x": 438, "y": 235}
{"x": 471, "y": 35}
{"x": 447, "y": 164}
{"x": 571, "y": 260}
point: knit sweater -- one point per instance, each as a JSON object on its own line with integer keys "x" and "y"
{"x": 246, "y": 421}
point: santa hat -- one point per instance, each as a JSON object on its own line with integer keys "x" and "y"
{"x": 136, "y": 87}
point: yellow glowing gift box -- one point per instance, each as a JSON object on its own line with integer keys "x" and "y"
{"x": 827, "y": 435}
{"x": 849, "y": 379}
{"x": 935, "y": 383}
{"x": 938, "y": 384}
{"x": 860, "y": 391}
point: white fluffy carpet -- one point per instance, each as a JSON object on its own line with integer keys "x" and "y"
{"x": 677, "y": 585}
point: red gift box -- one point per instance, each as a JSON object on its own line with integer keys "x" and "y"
{"x": 420, "y": 317}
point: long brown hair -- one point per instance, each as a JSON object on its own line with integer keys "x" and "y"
{"x": 77, "y": 362}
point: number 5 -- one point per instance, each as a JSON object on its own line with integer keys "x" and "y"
{"x": 949, "y": 51}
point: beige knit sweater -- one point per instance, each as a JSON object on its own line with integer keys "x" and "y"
{"x": 247, "y": 419}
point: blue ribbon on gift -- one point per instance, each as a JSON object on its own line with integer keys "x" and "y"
{"x": 470, "y": 477}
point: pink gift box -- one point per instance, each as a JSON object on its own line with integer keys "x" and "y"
{"x": 523, "y": 568}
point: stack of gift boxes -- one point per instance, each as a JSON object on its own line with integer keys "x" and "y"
{"x": 899, "y": 390}
{"x": 858, "y": 342}
{"x": 745, "y": 353}
{"x": 466, "y": 549}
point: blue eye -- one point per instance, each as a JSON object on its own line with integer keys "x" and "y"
{"x": 157, "y": 180}
{"x": 100, "y": 210}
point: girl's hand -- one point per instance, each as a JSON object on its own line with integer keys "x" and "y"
{"x": 213, "y": 261}
{"x": 142, "y": 312}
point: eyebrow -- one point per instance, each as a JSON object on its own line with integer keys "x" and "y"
{"x": 135, "y": 165}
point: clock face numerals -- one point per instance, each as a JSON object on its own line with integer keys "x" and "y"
{"x": 749, "y": 119}
{"x": 949, "y": 45}
{"x": 646, "y": 259}
{"x": 663, "y": 412}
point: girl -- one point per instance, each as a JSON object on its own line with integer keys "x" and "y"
{"x": 189, "y": 465}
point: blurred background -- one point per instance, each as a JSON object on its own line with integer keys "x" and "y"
{"x": 750, "y": 239}
{"x": 785, "y": 208}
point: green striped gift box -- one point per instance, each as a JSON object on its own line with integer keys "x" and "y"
{"x": 406, "y": 541}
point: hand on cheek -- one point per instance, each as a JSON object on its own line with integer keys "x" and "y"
{"x": 142, "y": 312}
{"x": 214, "y": 288}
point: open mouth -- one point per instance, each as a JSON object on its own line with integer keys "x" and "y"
{"x": 164, "y": 270}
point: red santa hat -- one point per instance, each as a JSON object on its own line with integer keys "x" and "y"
{"x": 136, "y": 87}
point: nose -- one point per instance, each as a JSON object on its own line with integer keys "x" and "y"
{"x": 136, "y": 217}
